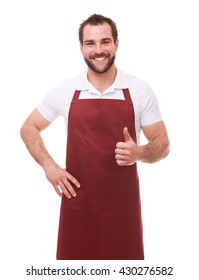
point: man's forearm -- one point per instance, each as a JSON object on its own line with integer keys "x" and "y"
{"x": 62, "y": 181}
{"x": 35, "y": 145}
{"x": 154, "y": 151}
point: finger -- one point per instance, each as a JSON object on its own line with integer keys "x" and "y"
{"x": 70, "y": 189}
{"x": 121, "y": 151}
{"x": 126, "y": 134}
{"x": 56, "y": 187}
{"x": 121, "y": 145}
{"x": 121, "y": 157}
{"x": 65, "y": 190}
{"x": 73, "y": 180}
{"x": 121, "y": 162}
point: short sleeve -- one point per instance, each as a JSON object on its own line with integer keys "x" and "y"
{"x": 150, "y": 108}
{"x": 51, "y": 105}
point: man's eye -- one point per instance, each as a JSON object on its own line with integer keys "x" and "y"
{"x": 89, "y": 44}
{"x": 106, "y": 42}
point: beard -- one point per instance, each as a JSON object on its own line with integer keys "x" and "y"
{"x": 95, "y": 68}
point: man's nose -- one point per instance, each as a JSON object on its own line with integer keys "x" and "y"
{"x": 98, "y": 48}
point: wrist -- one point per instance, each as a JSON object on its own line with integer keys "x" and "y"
{"x": 48, "y": 164}
{"x": 140, "y": 152}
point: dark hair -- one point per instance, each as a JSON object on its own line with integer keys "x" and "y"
{"x": 96, "y": 19}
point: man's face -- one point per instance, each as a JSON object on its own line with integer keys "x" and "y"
{"x": 99, "y": 49}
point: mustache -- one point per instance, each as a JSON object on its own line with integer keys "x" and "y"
{"x": 97, "y": 55}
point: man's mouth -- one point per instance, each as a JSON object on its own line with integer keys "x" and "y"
{"x": 99, "y": 58}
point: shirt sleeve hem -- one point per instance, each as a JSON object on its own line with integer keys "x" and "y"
{"x": 45, "y": 114}
{"x": 152, "y": 121}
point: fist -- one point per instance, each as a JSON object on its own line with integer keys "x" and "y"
{"x": 126, "y": 153}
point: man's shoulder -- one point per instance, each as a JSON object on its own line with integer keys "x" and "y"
{"x": 131, "y": 81}
{"x": 68, "y": 84}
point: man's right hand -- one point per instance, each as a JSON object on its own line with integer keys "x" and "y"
{"x": 62, "y": 181}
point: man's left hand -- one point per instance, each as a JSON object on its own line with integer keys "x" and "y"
{"x": 126, "y": 153}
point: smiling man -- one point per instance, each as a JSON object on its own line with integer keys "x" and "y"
{"x": 105, "y": 110}
{"x": 99, "y": 51}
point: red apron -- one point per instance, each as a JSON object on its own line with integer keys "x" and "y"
{"x": 104, "y": 221}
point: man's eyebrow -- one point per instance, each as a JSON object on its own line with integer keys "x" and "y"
{"x": 88, "y": 41}
{"x": 103, "y": 39}
{"x": 106, "y": 39}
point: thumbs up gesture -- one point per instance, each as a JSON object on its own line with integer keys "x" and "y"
{"x": 126, "y": 153}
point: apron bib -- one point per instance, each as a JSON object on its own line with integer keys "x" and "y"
{"x": 104, "y": 221}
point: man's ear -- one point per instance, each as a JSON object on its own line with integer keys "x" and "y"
{"x": 81, "y": 47}
{"x": 116, "y": 44}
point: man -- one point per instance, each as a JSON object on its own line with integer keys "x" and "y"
{"x": 104, "y": 110}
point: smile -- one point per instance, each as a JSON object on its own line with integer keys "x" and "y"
{"x": 100, "y": 58}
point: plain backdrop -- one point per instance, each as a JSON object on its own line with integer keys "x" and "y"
{"x": 39, "y": 48}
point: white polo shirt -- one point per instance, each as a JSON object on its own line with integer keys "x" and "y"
{"x": 57, "y": 101}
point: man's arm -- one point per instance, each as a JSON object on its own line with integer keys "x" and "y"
{"x": 57, "y": 176}
{"x": 158, "y": 143}
{"x": 127, "y": 152}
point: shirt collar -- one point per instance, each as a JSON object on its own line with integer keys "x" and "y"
{"x": 120, "y": 82}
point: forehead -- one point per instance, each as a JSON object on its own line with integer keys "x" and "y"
{"x": 97, "y": 32}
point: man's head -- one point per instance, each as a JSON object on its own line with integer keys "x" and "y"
{"x": 99, "y": 41}
{"x": 96, "y": 19}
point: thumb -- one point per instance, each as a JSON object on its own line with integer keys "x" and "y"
{"x": 126, "y": 134}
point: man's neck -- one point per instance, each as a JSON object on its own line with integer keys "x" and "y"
{"x": 102, "y": 81}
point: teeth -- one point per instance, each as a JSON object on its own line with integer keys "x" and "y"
{"x": 100, "y": 58}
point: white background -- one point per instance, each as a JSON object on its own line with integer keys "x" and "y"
{"x": 39, "y": 48}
